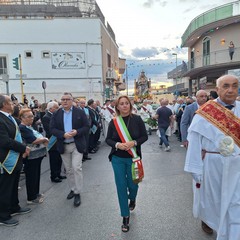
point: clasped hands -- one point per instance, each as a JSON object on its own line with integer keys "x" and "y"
{"x": 70, "y": 134}
{"x": 125, "y": 146}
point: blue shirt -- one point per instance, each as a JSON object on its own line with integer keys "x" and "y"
{"x": 67, "y": 121}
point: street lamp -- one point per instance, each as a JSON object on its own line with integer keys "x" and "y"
{"x": 175, "y": 54}
{"x": 127, "y": 79}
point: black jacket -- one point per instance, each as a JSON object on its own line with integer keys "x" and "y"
{"x": 79, "y": 122}
{"x": 137, "y": 130}
{"x": 7, "y": 134}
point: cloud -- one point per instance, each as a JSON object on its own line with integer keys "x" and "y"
{"x": 144, "y": 52}
{"x": 150, "y": 3}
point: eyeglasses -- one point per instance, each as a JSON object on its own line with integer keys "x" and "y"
{"x": 30, "y": 116}
{"x": 66, "y": 99}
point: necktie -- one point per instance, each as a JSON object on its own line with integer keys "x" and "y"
{"x": 230, "y": 107}
{"x": 11, "y": 118}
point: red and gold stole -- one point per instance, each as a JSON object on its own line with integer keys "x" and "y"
{"x": 222, "y": 118}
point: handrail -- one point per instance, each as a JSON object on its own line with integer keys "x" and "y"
{"x": 213, "y": 15}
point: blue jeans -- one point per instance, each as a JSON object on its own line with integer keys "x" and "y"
{"x": 163, "y": 137}
{"x": 126, "y": 188}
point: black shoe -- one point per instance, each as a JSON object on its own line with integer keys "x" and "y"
{"x": 125, "y": 226}
{"x": 87, "y": 158}
{"x": 9, "y": 223}
{"x": 77, "y": 200}
{"x": 206, "y": 228}
{"x": 70, "y": 195}
{"x": 62, "y": 177}
{"x": 56, "y": 180}
{"x": 22, "y": 211}
{"x": 132, "y": 205}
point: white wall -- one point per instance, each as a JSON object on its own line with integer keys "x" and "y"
{"x": 58, "y": 35}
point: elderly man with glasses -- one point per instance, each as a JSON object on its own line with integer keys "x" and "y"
{"x": 69, "y": 124}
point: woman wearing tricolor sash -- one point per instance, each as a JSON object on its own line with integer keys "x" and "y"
{"x": 126, "y": 134}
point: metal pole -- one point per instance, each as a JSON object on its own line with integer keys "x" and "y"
{"x": 127, "y": 78}
{"x": 7, "y": 88}
{"x": 44, "y": 92}
{"x": 176, "y": 73}
{"x": 21, "y": 81}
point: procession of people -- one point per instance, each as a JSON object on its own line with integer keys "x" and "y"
{"x": 71, "y": 131}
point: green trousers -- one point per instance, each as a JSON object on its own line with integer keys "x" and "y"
{"x": 126, "y": 188}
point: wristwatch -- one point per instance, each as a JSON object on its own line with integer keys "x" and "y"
{"x": 135, "y": 143}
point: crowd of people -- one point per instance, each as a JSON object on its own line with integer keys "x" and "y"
{"x": 207, "y": 125}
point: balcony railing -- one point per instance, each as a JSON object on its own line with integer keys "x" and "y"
{"x": 213, "y": 58}
{"x": 213, "y": 15}
{"x": 111, "y": 74}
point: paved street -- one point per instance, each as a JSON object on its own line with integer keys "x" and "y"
{"x": 163, "y": 211}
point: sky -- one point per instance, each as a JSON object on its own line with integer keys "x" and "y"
{"x": 149, "y": 31}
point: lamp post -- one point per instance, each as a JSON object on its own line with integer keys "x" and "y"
{"x": 127, "y": 79}
{"x": 175, "y": 54}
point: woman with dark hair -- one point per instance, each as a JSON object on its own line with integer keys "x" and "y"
{"x": 32, "y": 164}
{"x": 121, "y": 158}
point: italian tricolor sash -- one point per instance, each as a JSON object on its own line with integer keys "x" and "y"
{"x": 222, "y": 118}
{"x": 11, "y": 159}
{"x": 137, "y": 167}
{"x": 124, "y": 135}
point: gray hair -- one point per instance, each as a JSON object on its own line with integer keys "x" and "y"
{"x": 218, "y": 81}
{"x": 2, "y": 100}
{"x": 51, "y": 104}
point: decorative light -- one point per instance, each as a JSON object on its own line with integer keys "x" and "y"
{"x": 222, "y": 41}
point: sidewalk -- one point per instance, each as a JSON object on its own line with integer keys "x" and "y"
{"x": 163, "y": 211}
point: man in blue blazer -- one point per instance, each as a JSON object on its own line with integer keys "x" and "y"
{"x": 11, "y": 151}
{"x": 189, "y": 113}
{"x": 69, "y": 124}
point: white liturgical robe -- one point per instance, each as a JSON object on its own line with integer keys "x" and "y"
{"x": 219, "y": 197}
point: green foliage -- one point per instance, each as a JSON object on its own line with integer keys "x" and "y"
{"x": 152, "y": 122}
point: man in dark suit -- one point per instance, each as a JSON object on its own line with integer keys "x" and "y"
{"x": 69, "y": 124}
{"x": 188, "y": 114}
{"x": 54, "y": 156}
{"x": 11, "y": 151}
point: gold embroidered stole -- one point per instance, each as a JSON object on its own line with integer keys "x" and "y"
{"x": 222, "y": 118}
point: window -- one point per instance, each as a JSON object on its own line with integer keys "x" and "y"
{"x": 3, "y": 65}
{"x": 109, "y": 60}
{"x": 28, "y": 54}
{"x": 45, "y": 54}
{"x": 206, "y": 51}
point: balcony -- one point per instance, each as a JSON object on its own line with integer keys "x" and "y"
{"x": 216, "y": 62}
{"x": 214, "y": 18}
{"x": 121, "y": 87}
{"x": 111, "y": 75}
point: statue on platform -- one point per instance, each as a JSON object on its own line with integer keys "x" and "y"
{"x": 142, "y": 86}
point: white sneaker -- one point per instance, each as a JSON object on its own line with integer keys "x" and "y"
{"x": 160, "y": 146}
{"x": 167, "y": 149}
{"x": 181, "y": 145}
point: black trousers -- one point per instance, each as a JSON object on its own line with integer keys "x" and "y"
{"x": 9, "y": 202}
{"x": 91, "y": 142}
{"x": 85, "y": 154}
{"x": 32, "y": 168}
{"x": 55, "y": 161}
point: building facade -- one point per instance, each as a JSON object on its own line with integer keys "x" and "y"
{"x": 208, "y": 38}
{"x": 65, "y": 45}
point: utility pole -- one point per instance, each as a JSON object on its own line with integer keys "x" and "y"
{"x": 17, "y": 63}
{"x": 175, "y": 54}
{"x": 127, "y": 78}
